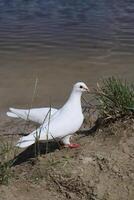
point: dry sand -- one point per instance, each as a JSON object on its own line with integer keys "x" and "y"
{"x": 101, "y": 169}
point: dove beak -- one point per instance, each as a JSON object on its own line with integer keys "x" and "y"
{"x": 87, "y": 89}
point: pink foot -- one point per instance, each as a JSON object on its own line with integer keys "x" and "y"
{"x": 72, "y": 145}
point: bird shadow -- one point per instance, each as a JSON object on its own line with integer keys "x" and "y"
{"x": 92, "y": 130}
{"x": 34, "y": 151}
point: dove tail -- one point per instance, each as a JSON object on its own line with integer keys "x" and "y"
{"x": 10, "y": 114}
{"x": 26, "y": 141}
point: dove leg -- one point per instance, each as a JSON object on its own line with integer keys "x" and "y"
{"x": 66, "y": 142}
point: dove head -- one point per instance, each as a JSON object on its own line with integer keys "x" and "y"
{"x": 80, "y": 87}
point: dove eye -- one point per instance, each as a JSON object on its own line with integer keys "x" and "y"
{"x": 81, "y": 86}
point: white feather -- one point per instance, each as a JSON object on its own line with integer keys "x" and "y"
{"x": 10, "y": 114}
{"x": 35, "y": 114}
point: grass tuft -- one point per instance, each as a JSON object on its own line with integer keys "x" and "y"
{"x": 115, "y": 97}
{"x": 6, "y": 152}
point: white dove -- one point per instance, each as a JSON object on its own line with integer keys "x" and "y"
{"x": 63, "y": 123}
{"x": 38, "y": 115}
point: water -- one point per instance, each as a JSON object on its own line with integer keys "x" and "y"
{"x": 61, "y": 42}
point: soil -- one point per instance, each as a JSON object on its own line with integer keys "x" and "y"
{"x": 101, "y": 169}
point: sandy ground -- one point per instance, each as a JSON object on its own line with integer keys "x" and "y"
{"x": 101, "y": 169}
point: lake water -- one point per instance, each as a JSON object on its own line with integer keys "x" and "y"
{"x": 61, "y": 42}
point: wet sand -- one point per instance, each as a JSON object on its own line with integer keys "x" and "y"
{"x": 56, "y": 75}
